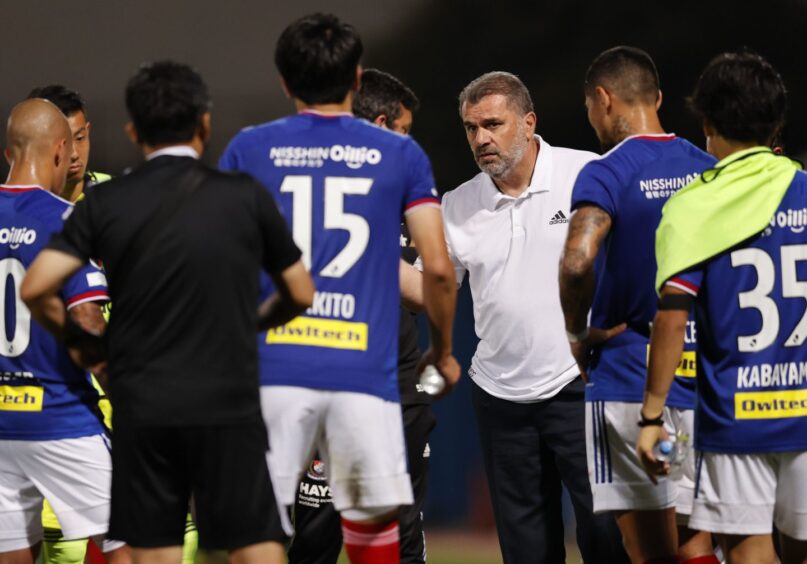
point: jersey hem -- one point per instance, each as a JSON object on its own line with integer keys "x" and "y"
{"x": 51, "y": 436}
{"x": 299, "y": 383}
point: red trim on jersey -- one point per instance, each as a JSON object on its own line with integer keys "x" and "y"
{"x": 100, "y": 294}
{"x": 4, "y": 188}
{"x": 686, "y": 284}
{"x": 420, "y": 202}
{"x": 662, "y": 137}
{"x": 329, "y": 115}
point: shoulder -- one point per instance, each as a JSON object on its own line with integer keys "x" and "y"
{"x": 574, "y": 159}
{"x": 45, "y": 207}
{"x": 467, "y": 195}
{"x": 694, "y": 151}
{"x": 263, "y": 131}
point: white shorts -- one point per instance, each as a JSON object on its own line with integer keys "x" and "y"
{"x": 618, "y": 481}
{"x": 744, "y": 494}
{"x": 359, "y": 437}
{"x": 75, "y": 475}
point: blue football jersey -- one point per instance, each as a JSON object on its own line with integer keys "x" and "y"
{"x": 632, "y": 182}
{"x": 43, "y": 395}
{"x": 343, "y": 185}
{"x": 751, "y": 311}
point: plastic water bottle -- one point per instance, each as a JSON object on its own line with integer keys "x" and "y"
{"x": 673, "y": 450}
{"x": 432, "y": 381}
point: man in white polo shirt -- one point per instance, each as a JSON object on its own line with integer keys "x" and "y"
{"x": 506, "y": 227}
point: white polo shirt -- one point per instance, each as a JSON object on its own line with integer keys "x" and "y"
{"x": 510, "y": 248}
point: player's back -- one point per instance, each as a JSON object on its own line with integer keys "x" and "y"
{"x": 43, "y": 395}
{"x": 752, "y": 327}
{"x": 343, "y": 185}
{"x": 632, "y": 182}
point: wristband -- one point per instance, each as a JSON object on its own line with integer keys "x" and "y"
{"x": 655, "y": 422}
{"x": 577, "y": 337}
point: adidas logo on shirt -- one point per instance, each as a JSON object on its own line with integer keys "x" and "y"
{"x": 559, "y": 218}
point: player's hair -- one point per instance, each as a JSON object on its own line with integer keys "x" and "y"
{"x": 742, "y": 96}
{"x": 628, "y": 72}
{"x": 68, "y": 101}
{"x": 381, "y": 94}
{"x": 317, "y": 57}
{"x": 498, "y": 82}
{"x": 166, "y": 101}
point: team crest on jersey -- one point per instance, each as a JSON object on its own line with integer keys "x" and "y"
{"x": 317, "y": 470}
{"x": 316, "y": 157}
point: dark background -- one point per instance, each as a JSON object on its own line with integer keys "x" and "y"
{"x": 436, "y": 46}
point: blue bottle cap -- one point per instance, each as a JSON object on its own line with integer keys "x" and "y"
{"x": 665, "y": 447}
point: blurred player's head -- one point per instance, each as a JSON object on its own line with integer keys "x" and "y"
{"x": 499, "y": 121}
{"x": 620, "y": 83}
{"x": 168, "y": 104}
{"x": 741, "y": 98}
{"x": 385, "y": 101}
{"x": 318, "y": 58}
{"x": 39, "y": 145}
{"x": 72, "y": 106}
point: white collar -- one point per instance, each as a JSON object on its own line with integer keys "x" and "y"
{"x": 174, "y": 151}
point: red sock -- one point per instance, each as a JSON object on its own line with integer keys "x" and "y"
{"x": 709, "y": 559}
{"x": 94, "y": 554}
{"x": 371, "y": 543}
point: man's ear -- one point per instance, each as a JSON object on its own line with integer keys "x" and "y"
{"x": 530, "y": 120}
{"x": 381, "y": 121}
{"x": 658, "y": 100}
{"x": 708, "y": 129}
{"x": 131, "y": 133}
{"x": 285, "y": 88}
{"x": 87, "y": 127}
{"x": 603, "y": 98}
{"x": 205, "y": 127}
{"x": 58, "y": 151}
{"x": 7, "y": 153}
{"x": 357, "y": 80}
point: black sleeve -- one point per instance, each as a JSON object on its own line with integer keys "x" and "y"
{"x": 279, "y": 250}
{"x": 76, "y": 237}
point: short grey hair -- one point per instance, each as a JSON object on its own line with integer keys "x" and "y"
{"x": 498, "y": 82}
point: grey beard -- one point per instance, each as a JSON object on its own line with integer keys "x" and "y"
{"x": 507, "y": 163}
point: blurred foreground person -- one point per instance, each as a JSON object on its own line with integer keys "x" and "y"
{"x": 182, "y": 245}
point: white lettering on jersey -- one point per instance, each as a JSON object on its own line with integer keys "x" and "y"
{"x": 654, "y": 188}
{"x": 333, "y": 304}
{"x": 315, "y": 157}
{"x": 796, "y": 220}
{"x": 16, "y": 236}
{"x": 772, "y": 375}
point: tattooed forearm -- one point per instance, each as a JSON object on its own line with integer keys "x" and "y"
{"x": 587, "y": 230}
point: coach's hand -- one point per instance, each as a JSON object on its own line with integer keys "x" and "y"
{"x": 447, "y": 366}
{"x": 596, "y": 336}
{"x": 648, "y": 438}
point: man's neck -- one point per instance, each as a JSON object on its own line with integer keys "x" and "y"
{"x": 720, "y": 147}
{"x": 73, "y": 191}
{"x": 637, "y": 120}
{"x": 345, "y": 106}
{"x": 29, "y": 173}
{"x": 518, "y": 180}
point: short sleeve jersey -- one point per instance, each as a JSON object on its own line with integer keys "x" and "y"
{"x": 43, "y": 395}
{"x": 752, "y": 327}
{"x": 343, "y": 185}
{"x": 632, "y": 182}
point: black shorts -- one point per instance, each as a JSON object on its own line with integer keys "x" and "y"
{"x": 155, "y": 470}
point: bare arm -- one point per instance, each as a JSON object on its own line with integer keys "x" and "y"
{"x": 92, "y": 355}
{"x": 439, "y": 289}
{"x": 587, "y": 230}
{"x": 411, "y": 287}
{"x": 666, "y": 347}
{"x": 295, "y": 293}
